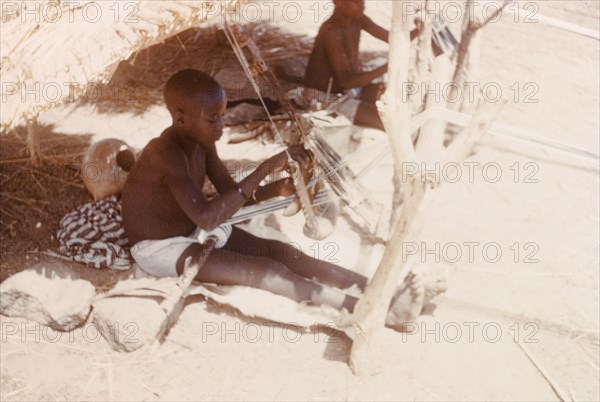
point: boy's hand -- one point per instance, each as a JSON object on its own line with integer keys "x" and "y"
{"x": 297, "y": 153}
{"x": 301, "y": 155}
{"x": 284, "y": 187}
{"x": 280, "y": 188}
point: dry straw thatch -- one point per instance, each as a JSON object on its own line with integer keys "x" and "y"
{"x": 54, "y": 52}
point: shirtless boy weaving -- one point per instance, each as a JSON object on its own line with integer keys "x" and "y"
{"x": 334, "y": 65}
{"x": 164, "y": 205}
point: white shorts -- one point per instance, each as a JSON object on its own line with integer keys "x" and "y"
{"x": 159, "y": 257}
{"x": 347, "y": 106}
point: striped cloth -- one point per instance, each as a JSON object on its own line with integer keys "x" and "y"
{"x": 93, "y": 234}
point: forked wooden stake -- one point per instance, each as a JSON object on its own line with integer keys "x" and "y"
{"x": 371, "y": 310}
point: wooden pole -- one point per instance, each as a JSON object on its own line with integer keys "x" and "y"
{"x": 468, "y": 52}
{"x": 393, "y": 107}
{"x": 424, "y": 52}
{"x": 371, "y": 310}
{"x": 431, "y": 135}
{"x": 33, "y": 142}
{"x": 423, "y": 58}
{"x": 470, "y": 67}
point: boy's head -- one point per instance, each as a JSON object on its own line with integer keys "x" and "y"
{"x": 354, "y": 9}
{"x": 196, "y": 103}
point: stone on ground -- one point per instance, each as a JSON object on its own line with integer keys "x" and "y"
{"x": 50, "y": 293}
{"x": 128, "y": 323}
{"x": 133, "y": 313}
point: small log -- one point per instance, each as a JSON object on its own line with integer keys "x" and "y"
{"x": 33, "y": 143}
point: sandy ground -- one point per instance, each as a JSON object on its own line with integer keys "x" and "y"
{"x": 542, "y": 290}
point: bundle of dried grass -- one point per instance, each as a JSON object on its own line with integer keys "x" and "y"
{"x": 56, "y": 51}
{"x": 138, "y": 81}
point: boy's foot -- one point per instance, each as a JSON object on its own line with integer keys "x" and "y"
{"x": 408, "y": 302}
{"x": 415, "y": 292}
{"x": 434, "y": 286}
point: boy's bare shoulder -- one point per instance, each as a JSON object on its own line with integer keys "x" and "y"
{"x": 330, "y": 33}
{"x": 331, "y": 26}
{"x": 164, "y": 154}
{"x": 167, "y": 145}
{"x": 162, "y": 142}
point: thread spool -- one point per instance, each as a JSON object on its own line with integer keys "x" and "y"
{"x": 220, "y": 234}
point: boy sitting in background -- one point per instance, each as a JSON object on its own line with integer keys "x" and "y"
{"x": 334, "y": 65}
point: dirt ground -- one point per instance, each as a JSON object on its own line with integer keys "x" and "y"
{"x": 542, "y": 214}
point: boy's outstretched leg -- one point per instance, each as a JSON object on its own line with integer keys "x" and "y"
{"x": 225, "y": 267}
{"x": 323, "y": 272}
{"x": 408, "y": 298}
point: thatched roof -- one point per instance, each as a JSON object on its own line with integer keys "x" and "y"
{"x": 55, "y": 53}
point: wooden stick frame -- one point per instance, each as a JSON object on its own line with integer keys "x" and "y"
{"x": 372, "y": 308}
